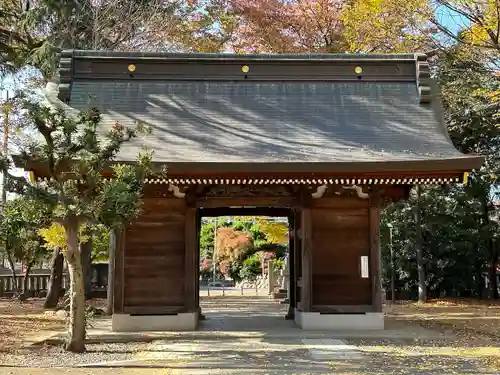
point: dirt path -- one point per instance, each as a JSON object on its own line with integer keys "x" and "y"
{"x": 248, "y": 335}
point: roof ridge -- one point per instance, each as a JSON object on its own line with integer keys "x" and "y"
{"x": 419, "y": 69}
{"x": 233, "y": 56}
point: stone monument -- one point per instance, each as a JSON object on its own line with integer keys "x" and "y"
{"x": 285, "y": 280}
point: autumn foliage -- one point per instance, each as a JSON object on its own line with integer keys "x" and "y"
{"x": 231, "y": 245}
{"x": 328, "y": 25}
{"x": 276, "y": 232}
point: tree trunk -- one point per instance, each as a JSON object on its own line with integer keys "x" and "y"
{"x": 111, "y": 272}
{"x": 422, "y": 287}
{"x": 55, "y": 282}
{"x": 76, "y": 338}
{"x": 86, "y": 259}
{"x": 25, "y": 291}
{"x": 479, "y": 281}
{"x": 10, "y": 259}
{"x": 492, "y": 271}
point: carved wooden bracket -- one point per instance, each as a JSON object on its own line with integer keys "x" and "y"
{"x": 359, "y": 191}
{"x": 165, "y": 191}
{"x": 176, "y": 191}
{"x": 362, "y": 192}
{"x": 320, "y": 191}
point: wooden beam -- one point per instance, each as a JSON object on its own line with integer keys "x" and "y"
{"x": 375, "y": 254}
{"x": 245, "y": 211}
{"x": 119, "y": 281}
{"x": 306, "y": 279}
{"x": 190, "y": 261}
{"x": 214, "y": 202}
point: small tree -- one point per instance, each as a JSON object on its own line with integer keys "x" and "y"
{"x": 19, "y": 232}
{"x": 76, "y": 191}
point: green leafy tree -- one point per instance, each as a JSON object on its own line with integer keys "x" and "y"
{"x": 251, "y": 268}
{"x": 459, "y": 224}
{"x": 76, "y": 193}
{"x": 19, "y": 225}
{"x": 100, "y": 243}
{"x": 207, "y": 241}
{"x": 473, "y": 120}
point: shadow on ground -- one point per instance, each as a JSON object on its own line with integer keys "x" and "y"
{"x": 249, "y": 335}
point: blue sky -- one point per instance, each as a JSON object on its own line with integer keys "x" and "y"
{"x": 452, "y": 20}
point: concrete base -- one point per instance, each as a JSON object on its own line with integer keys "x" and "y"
{"x": 318, "y": 321}
{"x": 142, "y": 323}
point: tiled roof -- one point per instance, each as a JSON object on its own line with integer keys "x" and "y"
{"x": 272, "y": 121}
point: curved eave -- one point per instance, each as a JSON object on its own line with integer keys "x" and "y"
{"x": 405, "y": 172}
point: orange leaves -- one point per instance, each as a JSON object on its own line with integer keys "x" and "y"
{"x": 292, "y": 26}
{"x": 231, "y": 244}
{"x": 329, "y": 25}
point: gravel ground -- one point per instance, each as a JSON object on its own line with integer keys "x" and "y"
{"x": 48, "y": 356}
{"x": 83, "y": 371}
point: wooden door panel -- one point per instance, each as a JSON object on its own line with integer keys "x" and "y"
{"x": 154, "y": 255}
{"x": 340, "y": 239}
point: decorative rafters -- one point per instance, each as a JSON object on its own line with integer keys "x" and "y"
{"x": 296, "y": 181}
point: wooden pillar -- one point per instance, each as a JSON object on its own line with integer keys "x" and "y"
{"x": 119, "y": 279}
{"x": 375, "y": 254}
{"x": 111, "y": 271}
{"x": 306, "y": 242}
{"x": 190, "y": 261}
{"x": 197, "y": 290}
{"x": 292, "y": 303}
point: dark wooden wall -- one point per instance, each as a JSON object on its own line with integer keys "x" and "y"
{"x": 157, "y": 256}
{"x": 153, "y": 254}
{"x": 340, "y": 236}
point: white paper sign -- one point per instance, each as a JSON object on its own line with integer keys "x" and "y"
{"x": 364, "y": 267}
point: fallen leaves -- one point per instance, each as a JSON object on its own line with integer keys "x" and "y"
{"x": 22, "y": 319}
{"x": 475, "y": 322}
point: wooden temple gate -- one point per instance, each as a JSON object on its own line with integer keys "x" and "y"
{"x": 328, "y": 137}
{"x": 334, "y": 251}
